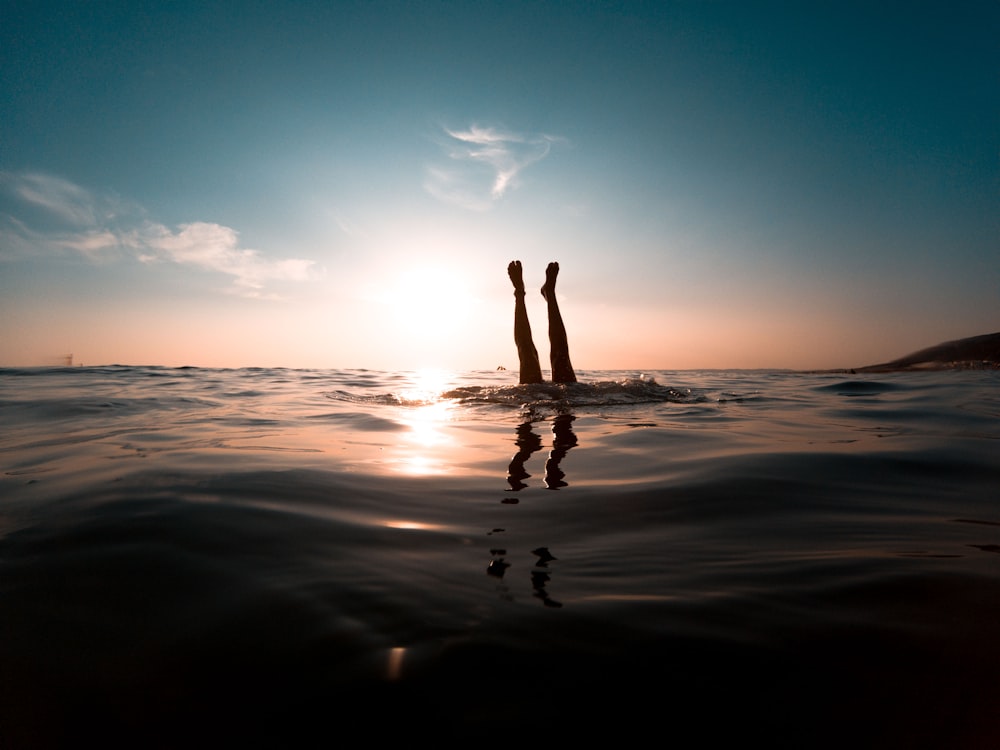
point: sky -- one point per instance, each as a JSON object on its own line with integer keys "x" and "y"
{"x": 342, "y": 185}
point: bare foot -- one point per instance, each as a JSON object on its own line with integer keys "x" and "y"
{"x": 550, "y": 280}
{"x": 515, "y": 273}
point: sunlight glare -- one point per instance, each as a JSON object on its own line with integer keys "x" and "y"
{"x": 411, "y": 525}
{"x": 395, "y": 663}
{"x": 428, "y": 306}
{"x": 427, "y": 385}
{"x": 425, "y": 443}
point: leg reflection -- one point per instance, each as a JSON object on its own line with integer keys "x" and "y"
{"x": 563, "y": 438}
{"x": 498, "y": 566}
{"x": 540, "y": 577}
{"x": 527, "y": 442}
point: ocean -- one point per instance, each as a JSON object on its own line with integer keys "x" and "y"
{"x": 297, "y": 558}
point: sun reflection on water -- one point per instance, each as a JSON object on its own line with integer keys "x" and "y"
{"x": 394, "y": 667}
{"x": 407, "y": 525}
{"x": 425, "y": 444}
{"x": 425, "y": 386}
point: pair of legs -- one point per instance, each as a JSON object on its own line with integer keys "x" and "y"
{"x": 531, "y": 370}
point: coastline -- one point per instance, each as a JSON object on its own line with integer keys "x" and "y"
{"x": 972, "y": 353}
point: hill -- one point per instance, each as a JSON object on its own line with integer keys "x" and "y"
{"x": 973, "y": 353}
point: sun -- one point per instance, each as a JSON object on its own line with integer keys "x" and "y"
{"x": 427, "y": 306}
{"x": 425, "y": 299}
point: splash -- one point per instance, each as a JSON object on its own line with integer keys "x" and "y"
{"x": 601, "y": 393}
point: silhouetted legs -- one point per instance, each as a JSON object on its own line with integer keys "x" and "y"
{"x": 562, "y": 368}
{"x": 531, "y": 371}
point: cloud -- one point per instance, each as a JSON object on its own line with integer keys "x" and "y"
{"x": 93, "y": 243}
{"x": 483, "y": 164}
{"x": 213, "y": 247}
{"x": 348, "y": 227}
{"x": 61, "y": 199}
{"x": 62, "y": 216}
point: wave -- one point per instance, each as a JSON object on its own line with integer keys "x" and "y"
{"x": 552, "y": 396}
{"x": 602, "y": 393}
{"x": 860, "y": 387}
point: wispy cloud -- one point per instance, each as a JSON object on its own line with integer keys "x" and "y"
{"x": 58, "y": 216}
{"x": 60, "y": 198}
{"x": 213, "y": 247}
{"x": 483, "y": 164}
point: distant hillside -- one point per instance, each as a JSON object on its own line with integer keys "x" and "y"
{"x": 976, "y": 352}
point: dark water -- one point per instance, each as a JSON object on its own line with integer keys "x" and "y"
{"x": 291, "y": 558}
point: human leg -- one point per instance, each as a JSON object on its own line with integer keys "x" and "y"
{"x": 562, "y": 368}
{"x": 531, "y": 370}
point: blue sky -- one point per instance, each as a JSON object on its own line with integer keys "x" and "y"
{"x": 333, "y": 184}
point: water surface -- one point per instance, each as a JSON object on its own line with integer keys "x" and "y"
{"x": 193, "y": 557}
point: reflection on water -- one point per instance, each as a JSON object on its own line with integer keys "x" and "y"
{"x": 528, "y": 441}
{"x": 424, "y": 445}
{"x": 226, "y": 555}
{"x": 540, "y": 576}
